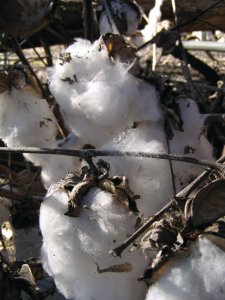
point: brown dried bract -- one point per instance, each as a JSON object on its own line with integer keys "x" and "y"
{"x": 207, "y": 206}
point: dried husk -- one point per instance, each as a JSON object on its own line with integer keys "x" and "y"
{"x": 160, "y": 235}
{"x": 207, "y": 206}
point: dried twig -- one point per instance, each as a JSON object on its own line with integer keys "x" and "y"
{"x": 88, "y": 153}
{"x": 109, "y": 13}
{"x": 88, "y": 19}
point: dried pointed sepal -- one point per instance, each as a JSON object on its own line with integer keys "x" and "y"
{"x": 207, "y": 206}
{"x": 68, "y": 182}
{"x": 160, "y": 235}
{"x": 216, "y": 233}
{"x": 121, "y": 268}
{"x": 103, "y": 169}
{"x": 107, "y": 186}
{"x": 77, "y": 194}
{"x": 122, "y": 184}
{"x": 26, "y": 274}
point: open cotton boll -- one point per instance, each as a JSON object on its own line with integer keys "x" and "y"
{"x": 26, "y": 120}
{"x": 197, "y": 274}
{"x": 96, "y": 95}
{"x": 190, "y": 142}
{"x": 73, "y": 246}
{"x": 149, "y": 178}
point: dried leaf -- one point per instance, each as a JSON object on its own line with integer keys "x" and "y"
{"x": 207, "y": 206}
{"x": 160, "y": 235}
{"x": 118, "y": 48}
{"x": 108, "y": 186}
{"x": 122, "y": 268}
{"x": 124, "y": 193}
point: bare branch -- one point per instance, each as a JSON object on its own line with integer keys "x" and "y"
{"x": 86, "y": 154}
{"x": 88, "y": 19}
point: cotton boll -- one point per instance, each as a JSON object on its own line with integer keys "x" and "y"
{"x": 98, "y": 104}
{"x": 191, "y": 142}
{"x": 149, "y": 178}
{"x": 198, "y": 274}
{"x": 26, "y": 120}
{"x": 73, "y": 246}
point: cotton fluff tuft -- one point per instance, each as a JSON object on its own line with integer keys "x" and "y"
{"x": 27, "y": 121}
{"x": 198, "y": 274}
{"x": 99, "y": 97}
{"x": 190, "y": 142}
{"x": 149, "y": 178}
{"x": 73, "y": 246}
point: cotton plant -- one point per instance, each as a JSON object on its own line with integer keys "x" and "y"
{"x": 110, "y": 109}
{"x": 196, "y": 274}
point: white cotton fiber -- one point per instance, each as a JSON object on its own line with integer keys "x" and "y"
{"x": 197, "y": 274}
{"x": 149, "y": 178}
{"x": 103, "y": 98}
{"x": 26, "y": 121}
{"x": 73, "y": 246}
{"x": 154, "y": 17}
{"x": 190, "y": 142}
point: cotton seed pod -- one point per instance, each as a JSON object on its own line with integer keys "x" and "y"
{"x": 207, "y": 206}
